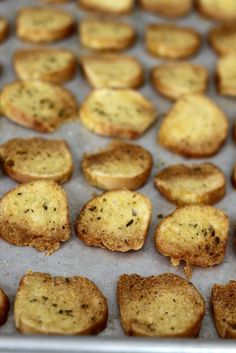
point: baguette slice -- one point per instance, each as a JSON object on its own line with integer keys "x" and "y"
{"x": 119, "y": 165}
{"x": 120, "y": 113}
{"x": 4, "y": 29}
{"x": 117, "y": 220}
{"x": 223, "y": 299}
{"x": 171, "y": 41}
{"x": 226, "y": 75}
{"x": 112, "y": 71}
{"x": 196, "y": 234}
{"x": 100, "y": 34}
{"x": 41, "y": 106}
{"x": 174, "y": 80}
{"x": 35, "y": 214}
{"x": 219, "y": 10}
{"x": 159, "y": 306}
{"x": 194, "y": 127}
{"x": 107, "y": 6}
{"x": 167, "y": 8}
{"x": 45, "y": 64}
{"x": 44, "y": 25}
{"x": 35, "y": 158}
{"x": 191, "y": 184}
{"x": 223, "y": 39}
{"x": 59, "y": 305}
{"x": 4, "y": 307}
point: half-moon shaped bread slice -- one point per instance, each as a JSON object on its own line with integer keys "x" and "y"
{"x": 119, "y": 7}
{"x": 219, "y": 10}
{"x": 4, "y": 307}
{"x": 226, "y": 75}
{"x": 223, "y": 38}
{"x": 167, "y": 8}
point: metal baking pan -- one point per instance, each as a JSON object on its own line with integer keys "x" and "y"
{"x": 102, "y": 266}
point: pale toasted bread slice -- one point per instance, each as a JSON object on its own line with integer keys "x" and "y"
{"x": 35, "y": 214}
{"x": 107, "y": 6}
{"x": 41, "y": 106}
{"x": 174, "y": 80}
{"x": 223, "y": 39}
{"x": 194, "y": 127}
{"x": 44, "y": 25}
{"x": 226, "y": 75}
{"x": 196, "y": 234}
{"x": 4, "y": 307}
{"x": 117, "y": 220}
{"x": 219, "y": 10}
{"x": 171, "y": 41}
{"x": 45, "y": 64}
{"x": 112, "y": 71}
{"x": 223, "y": 299}
{"x": 4, "y": 29}
{"x": 35, "y": 158}
{"x": 59, "y": 305}
{"x": 170, "y": 8}
{"x": 159, "y": 306}
{"x": 120, "y": 113}
{"x": 191, "y": 184}
{"x": 100, "y": 34}
{"x": 119, "y": 165}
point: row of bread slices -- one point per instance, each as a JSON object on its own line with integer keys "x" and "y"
{"x": 159, "y": 306}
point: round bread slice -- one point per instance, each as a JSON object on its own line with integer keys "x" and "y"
{"x": 41, "y": 106}
{"x": 223, "y": 39}
{"x": 107, "y": 6}
{"x": 171, "y": 41}
{"x": 196, "y": 234}
{"x": 4, "y": 29}
{"x": 159, "y": 306}
{"x": 223, "y": 300}
{"x": 119, "y": 165}
{"x": 112, "y": 71}
{"x": 219, "y": 10}
{"x": 120, "y": 113}
{"x": 174, "y": 80}
{"x": 35, "y": 214}
{"x": 59, "y": 305}
{"x": 100, "y": 34}
{"x": 44, "y": 25}
{"x": 170, "y": 8}
{"x": 191, "y": 184}
{"x": 117, "y": 220}
{"x": 226, "y": 75}
{"x": 45, "y": 64}
{"x": 194, "y": 127}
{"x": 35, "y": 158}
{"x": 4, "y": 307}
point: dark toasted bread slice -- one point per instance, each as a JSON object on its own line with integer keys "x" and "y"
{"x": 4, "y": 307}
{"x": 4, "y": 29}
{"x": 106, "y": 6}
{"x": 170, "y": 8}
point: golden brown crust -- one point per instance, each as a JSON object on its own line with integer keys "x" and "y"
{"x": 59, "y": 305}
{"x": 218, "y": 10}
{"x": 159, "y": 306}
{"x": 4, "y": 307}
{"x": 108, "y": 7}
{"x": 4, "y": 29}
{"x": 226, "y": 75}
{"x": 223, "y": 38}
{"x": 172, "y": 9}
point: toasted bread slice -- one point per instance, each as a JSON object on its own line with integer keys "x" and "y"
{"x": 196, "y": 234}
{"x": 120, "y": 113}
{"x": 44, "y": 25}
{"x": 223, "y": 39}
{"x": 170, "y": 8}
{"x": 159, "y": 306}
{"x": 45, "y": 64}
{"x": 100, "y": 34}
{"x": 4, "y": 29}
{"x": 223, "y": 299}
{"x": 41, "y": 106}
{"x": 107, "y": 6}
{"x": 117, "y": 220}
{"x": 219, "y": 10}
{"x": 59, "y": 305}
{"x": 35, "y": 158}
{"x": 174, "y": 80}
{"x": 233, "y": 178}
{"x": 119, "y": 165}
{"x": 35, "y": 214}
{"x": 191, "y": 184}
{"x": 194, "y": 127}
{"x": 112, "y": 71}
{"x": 4, "y": 307}
{"x": 171, "y": 41}
{"x": 226, "y": 75}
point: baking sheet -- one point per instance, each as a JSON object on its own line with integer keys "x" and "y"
{"x": 102, "y": 266}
